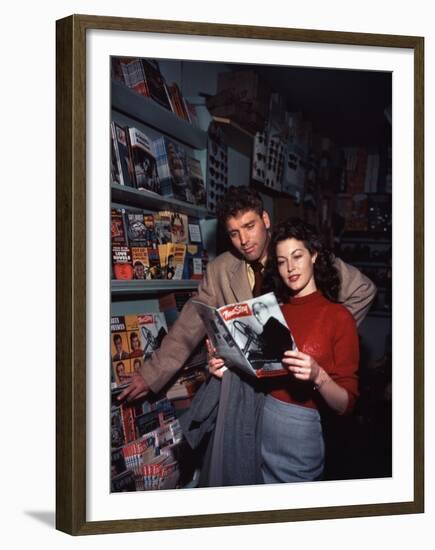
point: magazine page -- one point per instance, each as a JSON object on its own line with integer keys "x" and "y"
{"x": 221, "y": 338}
{"x": 260, "y": 331}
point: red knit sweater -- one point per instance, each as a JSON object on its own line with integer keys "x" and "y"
{"x": 326, "y": 331}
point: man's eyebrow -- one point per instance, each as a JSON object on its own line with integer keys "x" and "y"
{"x": 244, "y": 225}
{"x": 248, "y": 223}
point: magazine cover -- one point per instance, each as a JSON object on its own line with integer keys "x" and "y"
{"x": 162, "y": 224}
{"x": 115, "y": 164}
{"x": 136, "y": 229}
{"x": 171, "y": 168}
{"x": 122, "y": 371}
{"x": 156, "y": 83}
{"x": 117, "y": 229}
{"x": 119, "y": 344}
{"x": 179, "y": 228}
{"x": 116, "y": 431}
{"x": 121, "y": 262}
{"x": 251, "y": 335}
{"x": 177, "y": 100}
{"x": 133, "y": 75}
{"x": 143, "y": 160}
{"x": 195, "y": 262}
{"x": 152, "y": 329}
{"x": 150, "y": 228}
{"x": 134, "y": 343}
{"x": 154, "y": 268}
{"x": 195, "y": 181}
{"x": 121, "y": 154}
{"x": 139, "y": 257}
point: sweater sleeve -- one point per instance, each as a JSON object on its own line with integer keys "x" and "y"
{"x": 346, "y": 356}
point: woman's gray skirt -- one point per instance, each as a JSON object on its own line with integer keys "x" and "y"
{"x": 292, "y": 443}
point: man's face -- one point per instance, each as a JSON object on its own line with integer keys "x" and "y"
{"x": 261, "y": 313}
{"x": 249, "y": 234}
{"x": 139, "y": 271}
{"x": 118, "y": 345}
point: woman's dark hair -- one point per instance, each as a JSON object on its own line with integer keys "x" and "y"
{"x": 236, "y": 200}
{"x": 325, "y": 273}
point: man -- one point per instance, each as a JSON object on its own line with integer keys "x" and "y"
{"x": 233, "y": 276}
{"x": 121, "y": 375}
{"x": 137, "y": 364}
{"x": 274, "y": 338}
{"x": 138, "y": 270}
{"x": 120, "y": 353}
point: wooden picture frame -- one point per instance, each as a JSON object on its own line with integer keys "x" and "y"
{"x": 71, "y": 109}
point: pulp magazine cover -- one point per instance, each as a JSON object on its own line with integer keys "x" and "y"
{"x": 250, "y": 335}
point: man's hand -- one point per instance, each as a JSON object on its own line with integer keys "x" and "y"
{"x": 137, "y": 388}
{"x": 216, "y": 365}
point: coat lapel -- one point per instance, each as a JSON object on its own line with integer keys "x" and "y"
{"x": 239, "y": 282}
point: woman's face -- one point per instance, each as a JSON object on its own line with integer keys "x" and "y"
{"x": 135, "y": 344}
{"x": 296, "y": 266}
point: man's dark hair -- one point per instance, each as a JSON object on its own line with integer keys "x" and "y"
{"x": 237, "y": 200}
{"x": 117, "y": 338}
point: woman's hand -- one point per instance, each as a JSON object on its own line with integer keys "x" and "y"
{"x": 303, "y": 366}
{"x": 216, "y": 365}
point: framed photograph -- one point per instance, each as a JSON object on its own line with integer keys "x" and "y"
{"x": 89, "y": 184}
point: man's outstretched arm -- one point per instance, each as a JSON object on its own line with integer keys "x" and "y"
{"x": 183, "y": 337}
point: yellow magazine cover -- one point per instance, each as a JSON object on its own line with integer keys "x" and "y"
{"x": 119, "y": 340}
{"x": 133, "y": 336}
{"x": 170, "y": 262}
{"x": 179, "y": 258}
{"x": 122, "y": 371}
{"x": 163, "y": 256}
{"x": 179, "y": 228}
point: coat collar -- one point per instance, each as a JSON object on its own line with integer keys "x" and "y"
{"x": 239, "y": 281}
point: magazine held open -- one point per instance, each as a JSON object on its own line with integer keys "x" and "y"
{"x": 250, "y": 335}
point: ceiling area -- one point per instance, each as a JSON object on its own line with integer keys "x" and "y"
{"x": 346, "y": 105}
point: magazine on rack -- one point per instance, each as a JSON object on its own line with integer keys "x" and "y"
{"x": 250, "y": 335}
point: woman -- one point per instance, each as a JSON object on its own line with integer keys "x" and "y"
{"x": 323, "y": 369}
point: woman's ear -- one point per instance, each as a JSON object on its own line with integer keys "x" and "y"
{"x": 314, "y": 257}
